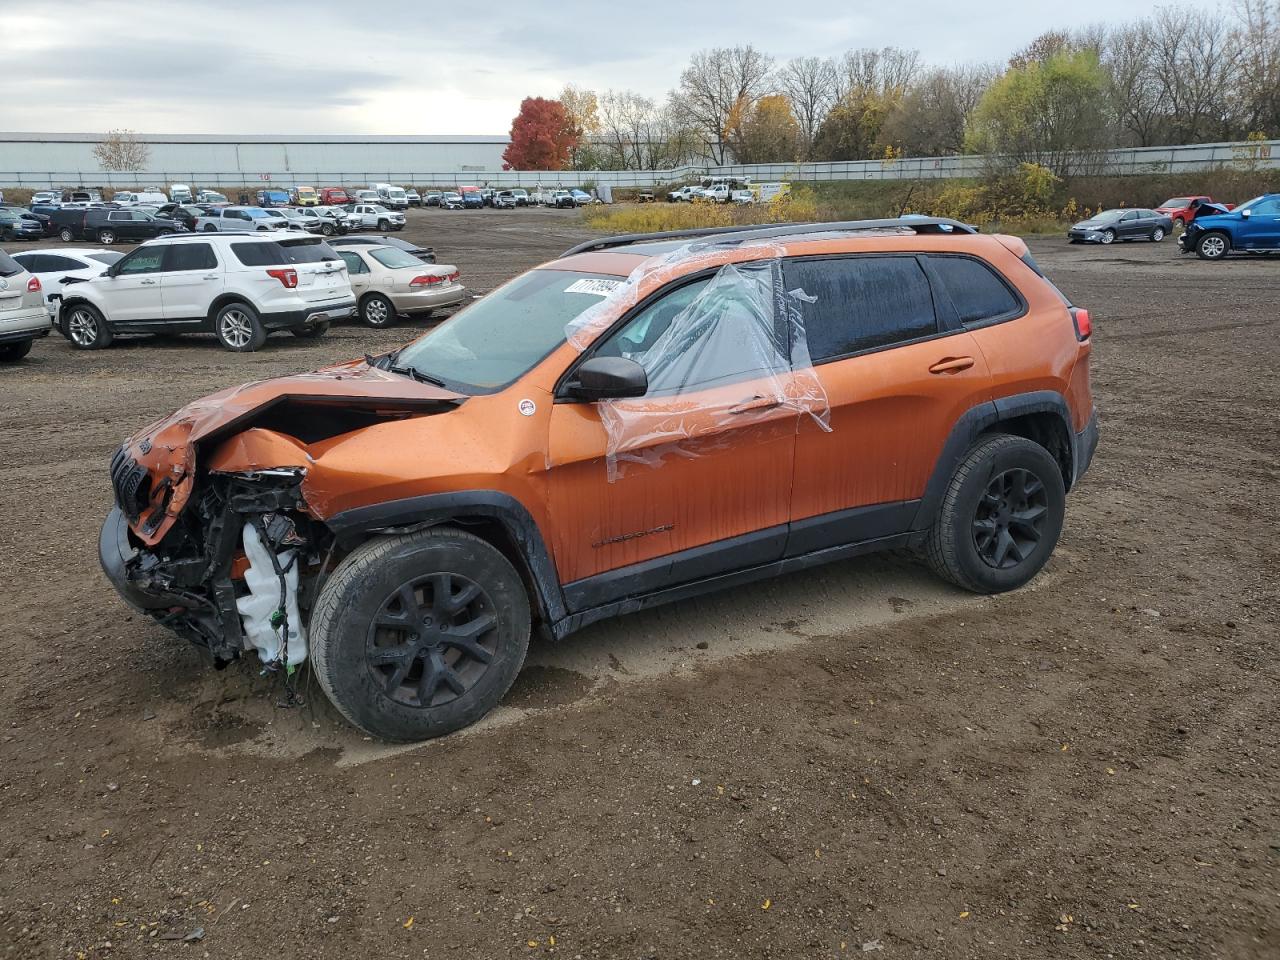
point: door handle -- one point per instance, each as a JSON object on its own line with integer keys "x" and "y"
{"x": 752, "y": 404}
{"x": 147, "y": 283}
{"x": 952, "y": 365}
{"x": 210, "y": 276}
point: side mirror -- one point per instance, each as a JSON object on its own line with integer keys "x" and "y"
{"x": 1245, "y": 213}
{"x": 608, "y": 378}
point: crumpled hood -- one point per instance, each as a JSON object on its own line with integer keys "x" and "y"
{"x": 308, "y": 406}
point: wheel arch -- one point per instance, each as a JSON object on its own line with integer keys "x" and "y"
{"x": 1041, "y": 416}
{"x": 226, "y": 299}
{"x": 66, "y": 303}
{"x": 497, "y": 518}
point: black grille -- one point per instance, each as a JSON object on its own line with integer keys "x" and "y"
{"x": 131, "y": 483}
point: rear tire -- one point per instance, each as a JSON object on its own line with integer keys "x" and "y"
{"x": 86, "y": 328}
{"x": 377, "y": 311}
{"x": 1157, "y": 234}
{"x": 1000, "y": 517}
{"x": 465, "y": 633}
{"x": 13, "y": 352}
{"x": 239, "y": 329}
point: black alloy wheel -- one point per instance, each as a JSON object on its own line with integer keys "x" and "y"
{"x": 432, "y": 640}
{"x": 1010, "y": 518}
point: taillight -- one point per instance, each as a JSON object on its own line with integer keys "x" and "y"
{"x": 425, "y": 281}
{"x": 287, "y": 278}
{"x": 33, "y": 285}
{"x": 453, "y": 276}
{"x": 1084, "y": 325}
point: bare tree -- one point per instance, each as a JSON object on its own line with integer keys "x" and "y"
{"x": 121, "y": 150}
{"x": 931, "y": 119}
{"x": 715, "y": 84}
{"x": 885, "y": 74}
{"x": 1195, "y": 61}
{"x": 810, "y": 84}
{"x": 582, "y": 108}
{"x": 1258, "y": 40}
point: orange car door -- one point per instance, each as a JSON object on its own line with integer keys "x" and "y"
{"x": 897, "y": 377}
{"x": 703, "y": 460}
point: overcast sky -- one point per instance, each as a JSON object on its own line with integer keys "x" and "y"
{"x": 390, "y": 67}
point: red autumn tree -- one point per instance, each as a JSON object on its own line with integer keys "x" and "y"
{"x": 542, "y": 136}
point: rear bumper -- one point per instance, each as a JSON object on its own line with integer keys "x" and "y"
{"x": 429, "y": 299}
{"x": 309, "y": 316}
{"x": 25, "y": 324}
{"x": 1084, "y": 444}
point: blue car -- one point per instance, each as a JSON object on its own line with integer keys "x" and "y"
{"x": 1252, "y": 227}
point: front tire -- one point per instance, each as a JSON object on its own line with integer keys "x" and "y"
{"x": 384, "y": 226}
{"x": 239, "y": 329}
{"x": 420, "y": 635}
{"x": 86, "y": 328}
{"x": 1000, "y": 517}
{"x": 377, "y": 311}
{"x": 1108, "y": 237}
{"x": 65, "y": 235}
{"x": 1213, "y": 246}
{"x": 106, "y": 237}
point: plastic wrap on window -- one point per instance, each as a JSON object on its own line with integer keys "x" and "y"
{"x": 735, "y": 356}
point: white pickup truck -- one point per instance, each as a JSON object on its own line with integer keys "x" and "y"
{"x": 684, "y": 195}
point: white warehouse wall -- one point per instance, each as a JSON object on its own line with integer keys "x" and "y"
{"x": 248, "y": 158}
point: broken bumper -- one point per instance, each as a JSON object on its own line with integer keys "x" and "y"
{"x": 116, "y": 552}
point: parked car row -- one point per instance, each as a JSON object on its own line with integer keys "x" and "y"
{"x": 1212, "y": 230}
{"x": 239, "y": 286}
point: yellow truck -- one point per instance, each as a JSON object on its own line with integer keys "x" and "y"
{"x": 306, "y": 197}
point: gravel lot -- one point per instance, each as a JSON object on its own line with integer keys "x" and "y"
{"x": 852, "y": 759}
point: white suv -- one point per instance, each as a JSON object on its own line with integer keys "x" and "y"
{"x": 23, "y": 316}
{"x": 370, "y": 216}
{"x": 240, "y": 287}
{"x": 240, "y": 220}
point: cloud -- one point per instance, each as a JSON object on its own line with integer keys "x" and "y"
{"x": 301, "y": 66}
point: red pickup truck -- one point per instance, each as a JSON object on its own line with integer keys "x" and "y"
{"x": 1180, "y": 208}
{"x": 334, "y": 196}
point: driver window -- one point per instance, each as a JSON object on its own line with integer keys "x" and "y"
{"x": 142, "y": 260}
{"x": 704, "y": 333}
{"x": 1131, "y": 215}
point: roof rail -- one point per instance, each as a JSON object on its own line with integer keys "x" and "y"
{"x": 927, "y": 225}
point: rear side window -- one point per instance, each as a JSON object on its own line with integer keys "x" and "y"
{"x": 8, "y": 266}
{"x": 976, "y": 292}
{"x": 190, "y": 256}
{"x": 271, "y": 253}
{"x": 862, "y": 303}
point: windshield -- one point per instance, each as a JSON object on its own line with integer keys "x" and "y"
{"x": 1104, "y": 216}
{"x": 501, "y": 337}
{"x": 259, "y": 214}
{"x": 106, "y": 256}
{"x": 394, "y": 259}
{"x": 395, "y": 193}
{"x": 1177, "y": 203}
{"x": 1249, "y": 203}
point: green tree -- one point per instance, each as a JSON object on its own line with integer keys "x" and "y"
{"x": 1052, "y": 112}
{"x": 851, "y": 131}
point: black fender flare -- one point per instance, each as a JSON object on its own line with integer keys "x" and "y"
{"x": 974, "y": 422}
{"x": 411, "y": 513}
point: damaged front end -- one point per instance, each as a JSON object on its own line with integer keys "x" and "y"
{"x": 218, "y": 530}
{"x": 233, "y": 573}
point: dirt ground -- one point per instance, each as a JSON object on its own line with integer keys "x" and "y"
{"x": 853, "y": 759}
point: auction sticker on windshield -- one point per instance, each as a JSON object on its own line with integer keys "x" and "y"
{"x": 596, "y": 287}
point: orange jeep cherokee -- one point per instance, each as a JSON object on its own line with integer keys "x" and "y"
{"x": 642, "y": 420}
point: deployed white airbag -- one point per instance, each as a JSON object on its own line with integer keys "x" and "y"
{"x": 264, "y": 627}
